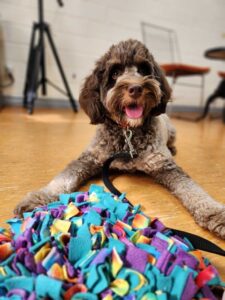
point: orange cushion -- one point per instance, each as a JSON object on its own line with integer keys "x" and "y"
{"x": 177, "y": 70}
{"x": 221, "y": 74}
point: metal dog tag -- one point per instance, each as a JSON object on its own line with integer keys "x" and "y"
{"x": 128, "y": 136}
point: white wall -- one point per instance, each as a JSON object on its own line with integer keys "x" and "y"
{"x": 84, "y": 29}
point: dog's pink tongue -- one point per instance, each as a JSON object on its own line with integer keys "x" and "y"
{"x": 134, "y": 112}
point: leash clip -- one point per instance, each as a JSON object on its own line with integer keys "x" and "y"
{"x": 128, "y": 136}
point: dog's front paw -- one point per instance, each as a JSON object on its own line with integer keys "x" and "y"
{"x": 32, "y": 200}
{"x": 215, "y": 221}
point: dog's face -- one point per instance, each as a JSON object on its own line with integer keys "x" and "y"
{"x": 131, "y": 92}
{"x": 127, "y": 86}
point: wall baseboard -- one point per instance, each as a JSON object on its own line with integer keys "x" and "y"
{"x": 40, "y": 102}
{"x": 60, "y": 103}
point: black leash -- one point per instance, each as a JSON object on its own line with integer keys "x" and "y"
{"x": 197, "y": 241}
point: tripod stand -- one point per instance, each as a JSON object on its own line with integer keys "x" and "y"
{"x": 36, "y": 69}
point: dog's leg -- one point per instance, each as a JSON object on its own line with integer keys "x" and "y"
{"x": 74, "y": 175}
{"x": 207, "y": 212}
{"x": 171, "y": 141}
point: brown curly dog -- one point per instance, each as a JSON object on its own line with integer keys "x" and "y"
{"x": 127, "y": 94}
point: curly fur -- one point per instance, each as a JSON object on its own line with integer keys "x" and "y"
{"x": 105, "y": 102}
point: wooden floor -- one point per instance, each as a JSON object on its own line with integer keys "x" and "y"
{"x": 34, "y": 148}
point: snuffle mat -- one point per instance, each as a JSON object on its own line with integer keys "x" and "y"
{"x": 94, "y": 245}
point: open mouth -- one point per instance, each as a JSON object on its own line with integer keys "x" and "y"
{"x": 134, "y": 111}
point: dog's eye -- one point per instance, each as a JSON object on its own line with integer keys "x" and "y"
{"x": 144, "y": 69}
{"x": 115, "y": 74}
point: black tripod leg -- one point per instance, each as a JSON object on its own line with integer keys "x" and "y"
{"x": 34, "y": 82}
{"x": 29, "y": 65}
{"x": 72, "y": 101}
{"x": 43, "y": 67}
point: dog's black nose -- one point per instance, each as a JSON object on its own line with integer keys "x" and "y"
{"x": 135, "y": 90}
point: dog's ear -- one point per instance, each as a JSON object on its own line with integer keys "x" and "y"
{"x": 90, "y": 97}
{"x": 165, "y": 89}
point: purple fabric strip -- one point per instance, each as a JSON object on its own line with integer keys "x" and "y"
{"x": 159, "y": 244}
{"x": 190, "y": 289}
{"x": 101, "y": 257}
{"x": 207, "y": 293}
{"x": 164, "y": 261}
{"x": 136, "y": 258}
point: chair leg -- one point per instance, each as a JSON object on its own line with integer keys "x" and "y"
{"x": 170, "y": 107}
{"x": 202, "y": 91}
{"x": 209, "y": 101}
{"x": 218, "y": 93}
{"x": 173, "y": 81}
